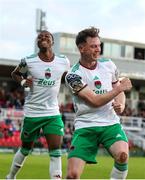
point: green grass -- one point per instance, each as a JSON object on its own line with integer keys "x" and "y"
{"x": 37, "y": 167}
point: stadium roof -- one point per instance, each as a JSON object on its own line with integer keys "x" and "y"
{"x": 8, "y": 62}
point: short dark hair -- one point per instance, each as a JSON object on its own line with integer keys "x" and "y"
{"x": 89, "y": 32}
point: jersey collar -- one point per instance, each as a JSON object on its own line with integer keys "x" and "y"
{"x": 92, "y": 68}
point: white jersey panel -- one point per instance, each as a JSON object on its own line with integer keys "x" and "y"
{"x": 42, "y": 97}
{"x": 100, "y": 81}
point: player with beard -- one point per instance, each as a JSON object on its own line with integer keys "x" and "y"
{"x": 42, "y": 73}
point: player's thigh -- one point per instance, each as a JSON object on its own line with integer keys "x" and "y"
{"x": 112, "y": 134}
{"x": 54, "y": 141}
{"x": 84, "y": 145}
{"x": 30, "y": 130}
{"x": 75, "y": 167}
{"x": 54, "y": 126}
{"x": 27, "y": 145}
{"x": 116, "y": 142}
{"x": 54, "y": 131}
{"x": 118, "y": 149}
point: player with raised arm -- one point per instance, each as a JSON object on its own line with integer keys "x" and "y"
{"x": 42, "y": 73}
{"x": 98, "y": 97}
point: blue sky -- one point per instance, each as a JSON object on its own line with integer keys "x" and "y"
{"x": 117, "y": 19}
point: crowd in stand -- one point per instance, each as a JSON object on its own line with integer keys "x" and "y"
{"x": 12, "y": 99}
{"x": 10, "y": 130}
{"x": 10, "y": 135}
{"x": 139, "y": 112}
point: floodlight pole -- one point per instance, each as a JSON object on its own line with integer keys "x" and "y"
{"x": 40, "y": 24}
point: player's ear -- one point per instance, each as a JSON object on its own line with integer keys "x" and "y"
{"x": 52, "y": 43}
{"x": 81, "y": 47}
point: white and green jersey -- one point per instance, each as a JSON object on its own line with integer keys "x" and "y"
{"x": 42, "y": 97}
{"x": 100, "y": 80}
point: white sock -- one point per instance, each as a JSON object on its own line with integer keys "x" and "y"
{"x": 55, "y": 168}
{"x": 116, "y": 174}
{"x": 16, "y": 165}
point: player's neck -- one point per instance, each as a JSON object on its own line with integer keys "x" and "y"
{"x": 88, "y": 64}
{"x": 47, "y": 56}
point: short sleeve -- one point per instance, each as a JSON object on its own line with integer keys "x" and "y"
{"x": 67, "y": 64}
{"x": 115, "y": 73}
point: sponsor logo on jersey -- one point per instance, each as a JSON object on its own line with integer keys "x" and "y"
{"x": 101, "y": 91}
{"x": 98, "y": 86}
{"x": 45, "y": 82}
{"x": 47, "y": 73}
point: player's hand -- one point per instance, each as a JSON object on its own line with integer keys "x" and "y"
{"x": 125, "y": 84}
{"x": 118, "y": 108}
{"x": 29, "y": 82}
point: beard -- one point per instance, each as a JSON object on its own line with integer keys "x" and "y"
{"x": 95, "y": 55}
{"x": 43, "y": 49}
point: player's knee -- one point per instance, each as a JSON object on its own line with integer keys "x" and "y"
{"x": 122, "y": 157}
{"x": 25, "y": 151}
{"x": 55, "y": 153}
{"x": 72, "y": 174}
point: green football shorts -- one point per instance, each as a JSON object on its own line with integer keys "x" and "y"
{"x": 85, "y": 142}
{"x": 50, "y": 125}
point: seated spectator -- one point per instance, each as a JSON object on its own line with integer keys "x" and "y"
{"x": 2, "y": 98}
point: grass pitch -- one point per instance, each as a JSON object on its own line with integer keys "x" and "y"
{"x": 37, "y": 167}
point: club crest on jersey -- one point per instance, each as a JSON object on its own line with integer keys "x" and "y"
{"x": 47, "y": 73}
{"x": 97, "y": 82}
